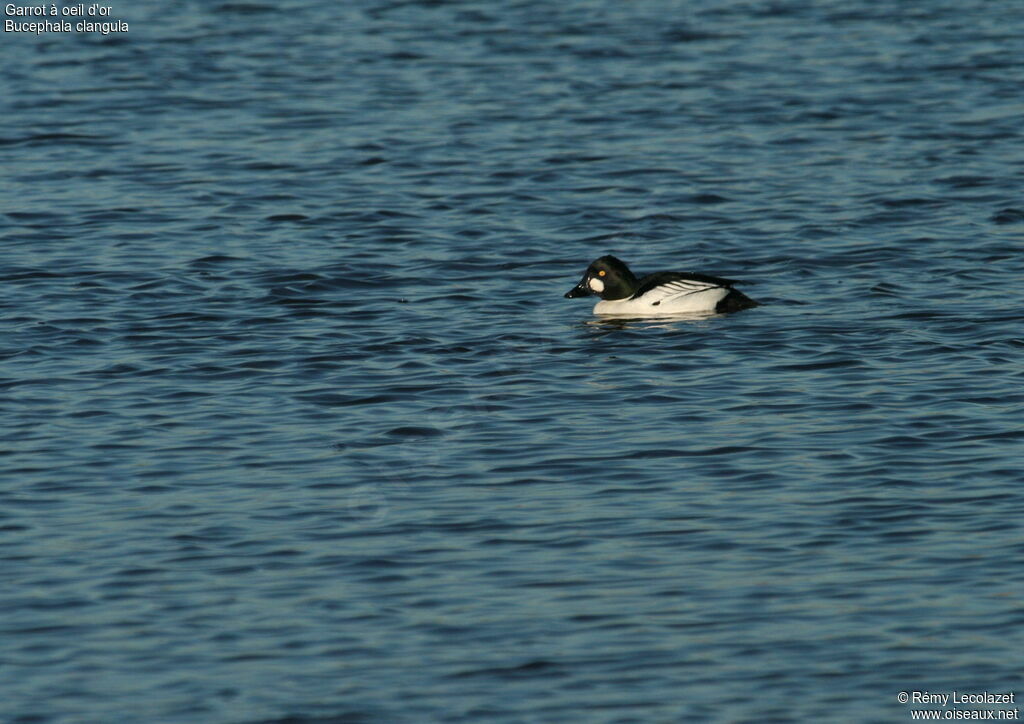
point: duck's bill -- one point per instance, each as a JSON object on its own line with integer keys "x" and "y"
{"x": 580, "y": 290}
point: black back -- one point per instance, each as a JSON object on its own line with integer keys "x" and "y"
{"x": 650, "y": 281}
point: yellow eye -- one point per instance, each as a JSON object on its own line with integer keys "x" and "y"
{"x": 602, "y": 273}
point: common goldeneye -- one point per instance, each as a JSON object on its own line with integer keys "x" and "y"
{"x": 660, "y": 293}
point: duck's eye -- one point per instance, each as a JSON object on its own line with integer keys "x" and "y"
{"x": 602, "y": 273}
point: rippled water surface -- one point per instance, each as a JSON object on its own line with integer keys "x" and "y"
{"x": 299, "y": 427}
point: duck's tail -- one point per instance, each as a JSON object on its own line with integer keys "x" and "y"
{"x": 735, "y": 301}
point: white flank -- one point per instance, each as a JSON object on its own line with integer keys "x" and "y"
{"x": 683, "y": 297}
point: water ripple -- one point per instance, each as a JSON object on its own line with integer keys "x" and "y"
{"x": 300, "y": 428}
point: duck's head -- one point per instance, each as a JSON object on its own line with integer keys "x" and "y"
{"x": 608, "y": 278}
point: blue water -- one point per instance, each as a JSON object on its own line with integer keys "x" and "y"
{"x": 298, "y": 426}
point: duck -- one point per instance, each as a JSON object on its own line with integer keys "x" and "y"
{"x": 658, "y": 294}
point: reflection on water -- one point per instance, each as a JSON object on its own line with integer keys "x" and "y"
{"x": 660, "y": 321}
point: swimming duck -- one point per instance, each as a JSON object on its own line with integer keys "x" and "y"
{"x": 660, "y": 293}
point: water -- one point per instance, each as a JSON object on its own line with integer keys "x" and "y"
{"x": 298, "y": 426}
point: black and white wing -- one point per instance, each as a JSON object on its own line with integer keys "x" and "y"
{"x": 665, "y": 286}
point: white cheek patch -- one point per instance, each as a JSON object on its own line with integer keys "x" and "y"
{"x": 596, "y": 285}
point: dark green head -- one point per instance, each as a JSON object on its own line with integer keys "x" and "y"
{"x": 608, "y": 278}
